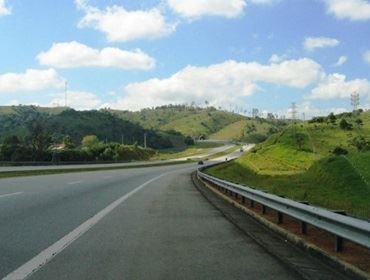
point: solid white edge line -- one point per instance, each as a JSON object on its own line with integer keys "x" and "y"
{"x": 46, "y": 255}
{"x": 10, "y": 194}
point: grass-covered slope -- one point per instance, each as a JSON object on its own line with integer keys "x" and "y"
{"x": 190, "y": 121}
{"x": 300, "y": 163}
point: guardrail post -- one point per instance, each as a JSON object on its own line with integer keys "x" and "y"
{"x": 303, "y": 227}
{"x": 252, "y": 203}
{"x": 263, "y": 209}
{"x": 338, "y": 244}
{"x": 243, "y": 199}
{"x": 280, "y": 217}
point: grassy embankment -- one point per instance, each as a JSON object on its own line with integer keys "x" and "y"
{"x": 306, "y": 169}
{"x": 197, "y": 149}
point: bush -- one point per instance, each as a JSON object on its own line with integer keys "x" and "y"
{"x": 340, "y": 151}
{"x": 345, "y": 125}
{"x": 361, "y": 143}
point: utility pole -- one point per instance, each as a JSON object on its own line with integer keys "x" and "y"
{"x": 122, "y": 139}
{"x": 65, "y": 94}
{"x": 145, "y": 140}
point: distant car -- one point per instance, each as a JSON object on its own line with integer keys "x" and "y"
{"x": 200, "y": 162}
{"x": 241, "y": 150}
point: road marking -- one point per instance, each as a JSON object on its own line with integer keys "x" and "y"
{"x": 10, "y": 194}
{"x": 75, "y": 182}
{"x": 45, "y": 256}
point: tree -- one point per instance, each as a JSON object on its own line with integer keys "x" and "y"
{"x": 345, "y": 125}
{"x": 300, "y": 139}
{"x": 90, "y": 141}
{"x": 332, "y": 118}
{"x": 68, "y": 143}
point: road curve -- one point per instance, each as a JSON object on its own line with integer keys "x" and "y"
{"x": 165, "y": 230}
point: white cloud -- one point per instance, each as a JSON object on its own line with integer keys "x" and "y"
{"x": 224, "y": 8}
{"x": 74, "y": 54}
{"x": 367, "y": 56}
{"x": 220, "y": 84}
{"x": 31, "y": 80}
{"x": 4, "y": 10}
{"x": 349, "y": 9}
{"x": 121, "y": 25}
{"x": 336, "y": 86}
{"x": 196, "y": 8}
{"x": 341, "y": 60}
{"x": 312, "y": 43}
{"x": 79, "y": 100}
{"x": 275, "y": 58}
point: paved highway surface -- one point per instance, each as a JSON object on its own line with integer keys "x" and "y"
{"x": 78, "y": 166}
{"x": 145, "y": 223}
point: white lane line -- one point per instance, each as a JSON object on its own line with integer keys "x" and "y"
{"x": 10, "y": 194}
{"x": 45, "y": 256}
{"x": 75, "y": 182}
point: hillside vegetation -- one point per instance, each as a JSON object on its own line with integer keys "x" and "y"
{"x": 199, "y": 122}
{"x": 325, "y": 161}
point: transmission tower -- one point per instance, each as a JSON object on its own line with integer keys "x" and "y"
{"x": 355, "y": 100}
{"x": 65, "y": 94}
{"x": 293, "y": 111}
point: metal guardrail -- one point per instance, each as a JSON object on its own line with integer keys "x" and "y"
{"x": 343, "y": 227}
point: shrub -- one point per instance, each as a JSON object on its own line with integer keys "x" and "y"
{"x": 339, "y": 151}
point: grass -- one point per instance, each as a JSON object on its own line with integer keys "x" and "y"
{"x": 232, "y": 131}
{"x": 224, "y": 153}
{"x": 324, "y": 184}
{"x": 306, "y": 169}
{"x": 198, "y": 148}
{"x": 12, "y": 174}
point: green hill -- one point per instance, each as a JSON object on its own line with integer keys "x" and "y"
{"x": 207, "y": 122}
{"x": 325, "y": 161}
{"x": 22, "y": 121}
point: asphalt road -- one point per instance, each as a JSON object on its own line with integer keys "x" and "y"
{"x": 106, "y": 165}
{"x": 162, "y": 230}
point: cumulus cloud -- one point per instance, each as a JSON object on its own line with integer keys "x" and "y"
{"x": 349, "y": 9}
{"x": 367, "y": 56}
{"x": 74, "y": 54}
{"x": 4, "y": 10}
{"x": 312, "y": 43}
{"x": 341, "y": 60}
{"x": 196, "y": 8}
{"x": 31, "y": 80}
{"x": 224, "y": 8}
{"x": 337, "y": 86}
{"x": 79, "y": 100}
{"x": 121, "y": 25}
{"x": 220, "y": 84}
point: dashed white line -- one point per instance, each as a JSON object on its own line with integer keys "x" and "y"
{"x": 75, "y": 182}
{"x": 45, "y": 256}
{"x": 10, "y": 194}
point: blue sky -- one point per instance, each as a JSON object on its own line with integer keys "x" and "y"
{"x": 233, "y": 53}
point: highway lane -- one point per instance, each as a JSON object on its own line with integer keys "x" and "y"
{"x": 166, "y": 230}
{"x": 48, "y": 207}
{"x": 107, "y": 165}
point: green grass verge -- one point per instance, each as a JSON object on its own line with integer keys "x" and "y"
{"x": 198, "y": 148}
{"x": 26, "y": 173}
{"x": 331, "y": 182}
{"x": 224, "y": 153}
